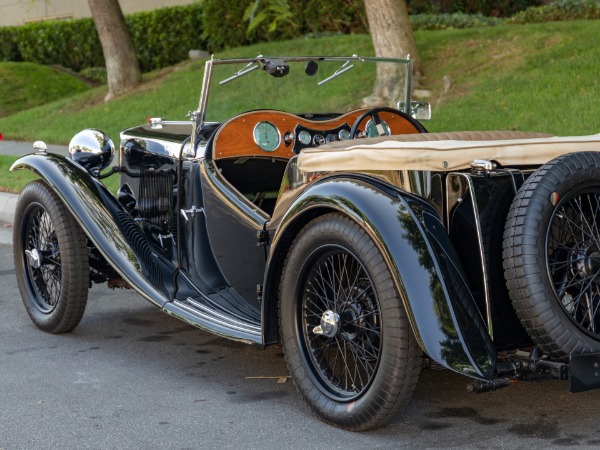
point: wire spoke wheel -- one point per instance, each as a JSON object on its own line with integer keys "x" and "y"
{"x": 42, "y": 258}
{"x": 51, "y": 260}
{"x": 573, "y": 258}
{"x": 345, "y": 334}
{"x": 340, "y": 321}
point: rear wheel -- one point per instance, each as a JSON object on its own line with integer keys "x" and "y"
{"x": 51, "y": 260}
{"x": 346, "y": 336}
{"x": 552, "y": 255}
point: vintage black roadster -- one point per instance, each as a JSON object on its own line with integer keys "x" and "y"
{"x": 285, "y": 212}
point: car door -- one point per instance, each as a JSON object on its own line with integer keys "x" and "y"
{"x": 236, "y": 231}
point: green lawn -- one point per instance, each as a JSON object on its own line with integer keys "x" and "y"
{"x": 26, "y": 85}
{"x": 540, "y": 77}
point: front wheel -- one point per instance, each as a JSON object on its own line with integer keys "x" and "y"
{"x": 51, "y": 260}
{"x": 346, "y": 336}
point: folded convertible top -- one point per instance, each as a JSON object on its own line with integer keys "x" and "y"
{"x": 443, "y": 151}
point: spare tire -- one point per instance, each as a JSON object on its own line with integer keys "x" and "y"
{"x": 551, "y": 253}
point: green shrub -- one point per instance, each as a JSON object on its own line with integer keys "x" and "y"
{"x": 276, "y": 14}
{"x": 223, "y": 25}
{"x": 342, "y": 16}
{"x": 95, "y": 74}
{"x": 496, "y": 8}
{"x": 8, "y": 44}
{"x": 559, "y": 10}
{"x": 161, "y": 37}
{"x": 69, "y": 43}
{"x": 234, "y": 23}
{"x": 450, "y": 21}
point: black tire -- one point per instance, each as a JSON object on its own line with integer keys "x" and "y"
{"x": 379, "y": 359}
{"x": 54, "y": 278}
{"x": 551, "y": 253}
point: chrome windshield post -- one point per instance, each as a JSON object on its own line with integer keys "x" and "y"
{"x": 409, "y": 75}
{"x": 199, "y": 115}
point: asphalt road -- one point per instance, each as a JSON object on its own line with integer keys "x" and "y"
{"x": 132, "y": 377}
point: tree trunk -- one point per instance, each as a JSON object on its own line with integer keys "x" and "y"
{"x": 122, "y": 68}
{"x": 392, "y": 36}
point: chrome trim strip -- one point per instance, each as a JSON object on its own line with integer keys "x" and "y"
{"x": 211, "y": 318}
{"x": 220, "y": 315}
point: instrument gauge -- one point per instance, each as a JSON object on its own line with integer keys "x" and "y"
{"x": 266, "y": 136}
{"x": 374, "y": 130}
{"x": 304, "y": 137}
{"x": 344, "y": 134}
{"x": 318, "y": 140}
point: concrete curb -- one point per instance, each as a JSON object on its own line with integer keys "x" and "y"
{"x": 8, "y": 203}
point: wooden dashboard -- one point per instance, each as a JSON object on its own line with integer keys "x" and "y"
{"x": 240, "y": 137}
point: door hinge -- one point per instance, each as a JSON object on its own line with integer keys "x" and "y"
{"x": 263, "y": 238}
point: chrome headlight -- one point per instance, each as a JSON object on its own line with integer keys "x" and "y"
{"x": 92, "y": 149}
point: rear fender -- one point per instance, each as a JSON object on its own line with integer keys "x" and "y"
{"x": 426, "y": 271}
{"x": 99, "y": 215}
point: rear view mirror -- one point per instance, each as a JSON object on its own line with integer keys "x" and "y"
{"x": 419, "y": 110}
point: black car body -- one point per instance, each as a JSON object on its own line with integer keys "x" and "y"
{"x": 356, "y": 239}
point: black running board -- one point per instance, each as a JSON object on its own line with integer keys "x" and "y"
{"x": 200, "y": 313}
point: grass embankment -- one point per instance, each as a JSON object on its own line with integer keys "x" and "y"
{"x": 27, "y": 85}
{"x": 528, "y": 77}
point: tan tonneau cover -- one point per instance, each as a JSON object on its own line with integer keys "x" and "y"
{"x": 443, "y": 151}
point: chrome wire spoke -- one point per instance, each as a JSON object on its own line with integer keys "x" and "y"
{"x": 574, "y": 281}
{"x": 357, "y": 362}
{"x": 585, "y": 224}
{"x": 326, "y": 287}
{"x": 366, "y": 328}
{"x": 347, "y": 369}
{"x": 570, "y": 228}
{"x": 583, "y": 292}
{"x": 563, "y": 264}
{"x": 594, "y": 213}
{"x": 594, "y": 314}
{"x": 365, "y": 351}
{"x": 45, "y": 280}
{"x": 341, "y": 300}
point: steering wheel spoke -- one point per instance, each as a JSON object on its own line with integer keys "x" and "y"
{"x": 381, "y": 127}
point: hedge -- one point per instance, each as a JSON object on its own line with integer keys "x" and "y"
{"x": 161, "y": 37}
{"x": 494, "y": 8}
{"x": 560, "y": 10}
{"x": 224, "y": 25}
{"x": 450, "y": 21}
{"x": 8, "y": 44}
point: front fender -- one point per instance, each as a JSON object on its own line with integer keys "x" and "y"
{"x": 96, "y": 210}
{"x": 426, "y": 271}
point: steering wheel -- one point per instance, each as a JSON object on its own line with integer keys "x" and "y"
{"x": 373, "y": 113}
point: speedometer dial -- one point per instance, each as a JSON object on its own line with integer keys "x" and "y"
{"x": 266, "y": 136}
